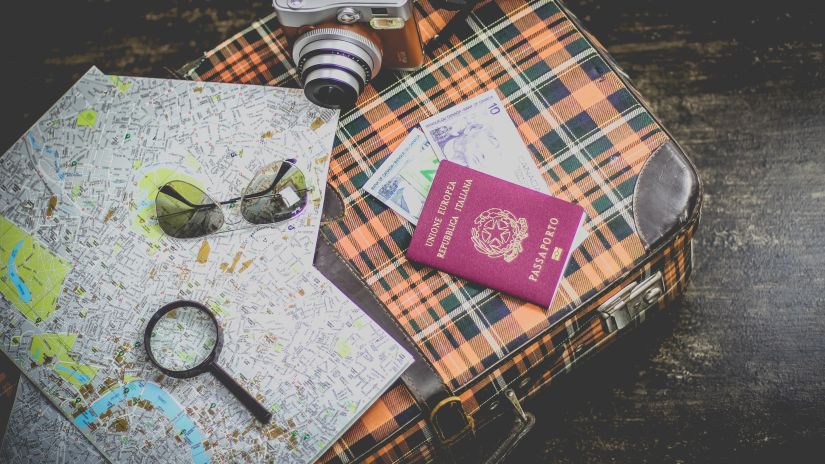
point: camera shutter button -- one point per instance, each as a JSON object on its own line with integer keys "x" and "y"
{"x": 348, "y": 15}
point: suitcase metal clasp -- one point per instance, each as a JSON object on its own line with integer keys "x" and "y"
{"x": 632, "y": 302}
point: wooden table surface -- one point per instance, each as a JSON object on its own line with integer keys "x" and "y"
{"x": 737, "y": 371}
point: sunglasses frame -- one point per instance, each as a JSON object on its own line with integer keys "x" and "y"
{"x": 233, "y": 201}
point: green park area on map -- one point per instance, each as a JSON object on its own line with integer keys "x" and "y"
{"x": 31, "y": 276}
{"x": 57, "y": 347}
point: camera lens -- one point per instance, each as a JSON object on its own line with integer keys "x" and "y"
{"x": 335, "y": 64}
{"x": 331, "y": 93}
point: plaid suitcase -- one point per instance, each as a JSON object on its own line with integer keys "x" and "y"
{"x": 480, "y": 353}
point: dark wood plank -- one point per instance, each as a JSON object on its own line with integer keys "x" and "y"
{"x": 736, "y": 372}
{"x": 46, "y": 48}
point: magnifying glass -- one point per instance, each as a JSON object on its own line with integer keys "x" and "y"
{"x": 183, "y": 340}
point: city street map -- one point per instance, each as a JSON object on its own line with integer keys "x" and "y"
{"x": 84, "y": 265}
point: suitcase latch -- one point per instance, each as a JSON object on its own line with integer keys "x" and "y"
{"x": 632, "y": 302}
{"x": 449, "y": 422}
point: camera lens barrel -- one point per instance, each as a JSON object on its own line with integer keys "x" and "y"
{"x": 335, "y": 64}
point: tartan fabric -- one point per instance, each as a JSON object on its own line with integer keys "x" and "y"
{"x": 411, "y": 447}
{"x": 589, "y": 135}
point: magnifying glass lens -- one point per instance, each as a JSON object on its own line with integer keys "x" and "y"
{"x": 183, "y": 338}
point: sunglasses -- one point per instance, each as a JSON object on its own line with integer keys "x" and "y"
{"x": 278, "y": 192}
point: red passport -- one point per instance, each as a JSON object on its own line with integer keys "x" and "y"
{"x": 496, "y": 233}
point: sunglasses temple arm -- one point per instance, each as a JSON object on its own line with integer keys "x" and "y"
{"x": 271, "y": 186}
{"x": 264, "y": 193}
{"x": 254, "y": 406}
{"x": 169, "y": 190}
{"x": 233, "y": 200}
{"x": 281, "y": 172}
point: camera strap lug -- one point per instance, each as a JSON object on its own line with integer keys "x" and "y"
{"x": 463, "y": 9}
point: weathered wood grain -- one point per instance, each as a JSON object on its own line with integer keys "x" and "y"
{"x": 47, "y": 47}
{"x": 736, "y": 373}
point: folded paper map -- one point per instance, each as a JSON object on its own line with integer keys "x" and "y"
{"x": 84, "y": 264}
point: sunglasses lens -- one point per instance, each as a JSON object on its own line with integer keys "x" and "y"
{"x": 185, "y": 211}
{"x": 277, "y": 193}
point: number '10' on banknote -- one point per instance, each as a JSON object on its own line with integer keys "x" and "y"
{"x": 480, "y": 134}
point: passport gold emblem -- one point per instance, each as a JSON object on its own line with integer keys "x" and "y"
{"x": 497, "y": 233}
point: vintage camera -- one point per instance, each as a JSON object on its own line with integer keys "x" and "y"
{"x": 340, "y": 45}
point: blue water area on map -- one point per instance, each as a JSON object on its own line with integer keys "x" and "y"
{"x": 161, "y": 400}
{"x": 82, "y": 378}
{"x": 49, "y": 151}
{"x": 22, "y": 289}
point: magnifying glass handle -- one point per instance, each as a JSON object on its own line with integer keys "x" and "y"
{"x": 255, "y": 407}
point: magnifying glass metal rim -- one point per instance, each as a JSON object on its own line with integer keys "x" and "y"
{"x": 209, "y": 364}
{"x": 192, "y": 371}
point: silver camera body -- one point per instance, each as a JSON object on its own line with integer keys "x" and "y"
{"x": 338, "y": 46}
{"x": 296, "y": 13}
